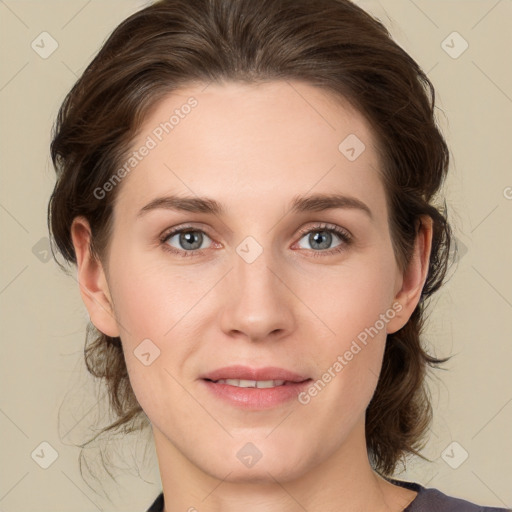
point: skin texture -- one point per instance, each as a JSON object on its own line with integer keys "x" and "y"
{"x": 253, "y": 148}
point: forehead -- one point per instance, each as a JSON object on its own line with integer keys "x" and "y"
{"x": 244, "y": 143}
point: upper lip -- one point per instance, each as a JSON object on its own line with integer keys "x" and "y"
{"x": 248, "y": 373}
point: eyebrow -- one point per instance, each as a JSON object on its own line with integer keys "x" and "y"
{"x": 299, "y": 204}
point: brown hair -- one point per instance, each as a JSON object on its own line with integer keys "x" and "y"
{"x": 332, "y": 44}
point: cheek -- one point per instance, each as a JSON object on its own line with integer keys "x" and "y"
{"x": 355, "y": 308}
{"x": 148, "y": 299}
{"x": 353, "y": 298}
{"x": 154, "y": 308}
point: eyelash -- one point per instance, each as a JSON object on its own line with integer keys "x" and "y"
{"x": 344, "y": 235}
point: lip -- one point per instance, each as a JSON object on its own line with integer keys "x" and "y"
{"x": 255, "y": 398}
{"x": 248, "y": 373}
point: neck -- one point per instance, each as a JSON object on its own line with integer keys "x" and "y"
{"x": 344, "y": 482}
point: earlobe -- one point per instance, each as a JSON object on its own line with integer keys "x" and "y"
{"x": 413, "y": 279}
{"x": 92, "y": 280}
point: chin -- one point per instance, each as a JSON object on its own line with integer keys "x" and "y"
{"x": 261, "y": 473}
{"x": 258, "y": 462}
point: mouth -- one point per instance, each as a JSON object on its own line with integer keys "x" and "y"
{"x": 254, "y": 388}
{"x": 260, "y": 384}
{"x": 247, "y": 374}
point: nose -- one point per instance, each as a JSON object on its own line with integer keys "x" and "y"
{"x": 259, "y": 304}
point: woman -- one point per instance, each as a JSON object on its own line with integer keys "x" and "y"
{"x": 247, "y": 190}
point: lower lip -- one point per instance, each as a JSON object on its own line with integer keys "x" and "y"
{"x": 257, "y": 398}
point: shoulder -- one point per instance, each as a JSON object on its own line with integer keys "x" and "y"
{"x": 427, "y": 500}
{"x": 433, "y": 500}
{"x": 158, "y": 504}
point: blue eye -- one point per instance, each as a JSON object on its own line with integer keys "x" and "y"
{"x": 190, "y": 240}
{"x": 320, "y": 237}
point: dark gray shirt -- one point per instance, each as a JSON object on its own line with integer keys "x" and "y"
{"x": 427, "y": 500}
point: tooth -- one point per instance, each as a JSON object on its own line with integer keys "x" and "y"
{"x": 243, "y": 383}
{"x": 247, "y": 383}
{"x": 265, "y": 384}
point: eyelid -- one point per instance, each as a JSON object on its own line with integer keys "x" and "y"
{"x": 325, "y": 226}
{"x": 182, "y": 227}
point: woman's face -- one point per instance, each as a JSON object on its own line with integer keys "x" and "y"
{"x": 258, "y": 284}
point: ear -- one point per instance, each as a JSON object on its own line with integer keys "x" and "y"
{"x": 410, "y": 284}
{"x": 92, "y": 280}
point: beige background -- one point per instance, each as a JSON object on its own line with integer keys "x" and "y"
{"x": 43, "y": 319}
